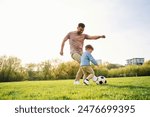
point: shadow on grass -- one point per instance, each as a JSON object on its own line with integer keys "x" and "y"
{"x": 128, "y": 86}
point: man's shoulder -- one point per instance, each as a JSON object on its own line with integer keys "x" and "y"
{"x": 75, "y": 32}
{"x": 72, "y": 32}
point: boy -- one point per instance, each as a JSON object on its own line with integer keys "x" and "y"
{"x": 85, "y": 64}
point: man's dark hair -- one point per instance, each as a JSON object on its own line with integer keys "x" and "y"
{"x": 89, "y": 47}
{"x": 81, "y": 25}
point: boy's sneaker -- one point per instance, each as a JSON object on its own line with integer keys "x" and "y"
{"x": 86, "y": 81}
{"x": 76, "y": 82}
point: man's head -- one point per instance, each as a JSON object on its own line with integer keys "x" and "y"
{"x": 80, "y": 28}
{"x": 89, "y": 48}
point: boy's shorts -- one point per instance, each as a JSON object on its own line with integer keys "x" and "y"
{"x": 87, "y": 70}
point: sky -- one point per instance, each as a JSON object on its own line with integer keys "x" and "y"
{"x": 33, "y": 30}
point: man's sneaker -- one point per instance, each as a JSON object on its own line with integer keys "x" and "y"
{"x": 76, "y": 82}
{"x": 86, "y": 81}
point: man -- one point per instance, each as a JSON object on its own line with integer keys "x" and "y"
{"x": 76, "y": 41}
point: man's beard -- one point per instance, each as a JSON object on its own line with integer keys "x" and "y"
{"x": 79, "y": 32}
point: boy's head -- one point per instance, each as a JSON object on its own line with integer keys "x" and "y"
{"x": 89, "y": 48}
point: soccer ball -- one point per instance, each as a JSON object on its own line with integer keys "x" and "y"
{"x": 101, "y": 80}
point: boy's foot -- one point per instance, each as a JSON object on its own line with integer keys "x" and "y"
{"x": 86, "y": 81}
{"x": 76, "y": 82}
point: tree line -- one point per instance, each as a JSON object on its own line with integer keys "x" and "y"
{"x": 12, "y": 69}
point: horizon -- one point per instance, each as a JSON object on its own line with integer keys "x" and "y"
{"x": 33, "y": 30}
{"x": 57, "y": 61}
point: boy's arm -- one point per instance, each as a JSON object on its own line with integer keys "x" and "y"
{"x": 63, "y": 44}
{"x": 92, "y": 59}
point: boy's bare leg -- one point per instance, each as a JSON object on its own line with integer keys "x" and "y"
{"x": 85, "y": 76}
{"x": 88, "y": 70}
{"x": 90, "y": 76}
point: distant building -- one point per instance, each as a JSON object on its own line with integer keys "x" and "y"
{"x": 99, "y": 61}
{"x": 135, "y": 61}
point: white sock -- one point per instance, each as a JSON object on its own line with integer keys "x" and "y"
{"x": 94, "y": 78}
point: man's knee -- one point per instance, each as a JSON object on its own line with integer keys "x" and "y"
{"x": 76, "y": 57}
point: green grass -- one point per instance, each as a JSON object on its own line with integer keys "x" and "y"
{"x": 132, "y": 88}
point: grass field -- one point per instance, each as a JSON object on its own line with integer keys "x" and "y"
{"x": 132, "y": 88}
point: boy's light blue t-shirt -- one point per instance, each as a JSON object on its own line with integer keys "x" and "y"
{"x": 86, "y": 58}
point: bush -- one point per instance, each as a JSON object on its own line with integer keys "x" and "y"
{"x": 101, "y": 70}
{"x": 66, "y": 70}
{"x": 11, "y": 69}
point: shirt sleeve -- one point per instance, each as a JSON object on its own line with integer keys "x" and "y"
{"x": 92, "y": 59}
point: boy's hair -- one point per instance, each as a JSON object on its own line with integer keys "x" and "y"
{"x": 81, "y": 25}
{"x": 89, "y": 47}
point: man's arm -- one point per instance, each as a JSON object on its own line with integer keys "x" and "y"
{"x": 94, "y": 37}
{"x": 63, "y": 44}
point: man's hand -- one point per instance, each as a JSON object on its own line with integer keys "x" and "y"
{"x": 103, "y": 36}
{"x": 61, "y": 53}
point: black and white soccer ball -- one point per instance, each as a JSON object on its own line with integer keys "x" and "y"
{"x": 101, "y": 80}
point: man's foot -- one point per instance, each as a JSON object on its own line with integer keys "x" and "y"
{"x": 86, "y": 81}
{"x": 76, "y": 82}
